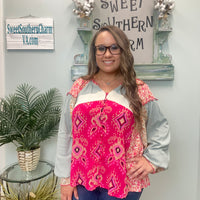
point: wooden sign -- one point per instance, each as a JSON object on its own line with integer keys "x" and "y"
{"x": 30, "y": 33}
{"x": 135, "y": 18}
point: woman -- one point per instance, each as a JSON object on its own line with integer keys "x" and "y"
{"x": 112, "y": 133}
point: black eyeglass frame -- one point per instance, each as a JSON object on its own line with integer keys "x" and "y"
{"x": 107, "y": 48}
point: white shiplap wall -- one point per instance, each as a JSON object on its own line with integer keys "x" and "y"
{"x": 2, "y": 82}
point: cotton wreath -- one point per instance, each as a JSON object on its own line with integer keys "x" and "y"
{"x": 83, "y": 9}
{"x": 164, "y": 7}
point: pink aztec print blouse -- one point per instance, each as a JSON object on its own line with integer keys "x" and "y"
{"x": 104, "y": 138}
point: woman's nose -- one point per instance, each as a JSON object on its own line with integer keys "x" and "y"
{"x": 108, "y": 53}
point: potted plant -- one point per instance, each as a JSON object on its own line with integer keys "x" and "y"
{"x": 27, "y": 118}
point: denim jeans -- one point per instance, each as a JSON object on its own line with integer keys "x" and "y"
{"x": 102, "y": 194}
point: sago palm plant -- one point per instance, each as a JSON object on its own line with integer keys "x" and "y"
{"x": 29, "y": 117}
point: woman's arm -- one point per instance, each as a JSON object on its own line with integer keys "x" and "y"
{"x": 64, "y": 142}
{"x": 63, "y": 154}
{"x": 158, "y": 137}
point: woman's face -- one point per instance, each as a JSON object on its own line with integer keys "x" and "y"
{"x": 107, "y": 63}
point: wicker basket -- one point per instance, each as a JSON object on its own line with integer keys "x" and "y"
{"x": 28, "y": 160}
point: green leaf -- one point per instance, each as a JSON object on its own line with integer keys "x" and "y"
{"x": 29, "y": 117}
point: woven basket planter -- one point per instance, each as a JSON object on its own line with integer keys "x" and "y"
{"x": 28, "y": 160}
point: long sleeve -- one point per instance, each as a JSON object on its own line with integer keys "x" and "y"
{"x": 158, "y": 136}
{"x": 64, "y": 142}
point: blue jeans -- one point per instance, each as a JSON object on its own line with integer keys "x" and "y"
{"x": 102, "y": 194}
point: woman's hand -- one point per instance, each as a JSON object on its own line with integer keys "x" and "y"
{"x": 141, "y": 168}
{"x": 67, "y": 192}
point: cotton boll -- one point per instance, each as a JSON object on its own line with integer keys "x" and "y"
{"x": 172, "y": 6}
{"x": 157, "y": 6}
{"x": 86, "y": 8}
{"x": 160, "y": 16}
{"x": 76, "y": 11}
{"x": 162, "y": 9}
{"x": 87, "y": 5}
{"x": 87, "y": 14}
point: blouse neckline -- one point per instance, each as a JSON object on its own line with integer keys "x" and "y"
{"x": 114, "y": 89}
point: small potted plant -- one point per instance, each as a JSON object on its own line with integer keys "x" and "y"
{"x": 27, "y": 118}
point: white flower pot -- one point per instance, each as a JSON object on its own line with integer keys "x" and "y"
{"x": 28, "y": 160}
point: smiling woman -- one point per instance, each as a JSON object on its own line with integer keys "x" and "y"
{"x": 107, "y": 61}
{"x": 103, "y": 131}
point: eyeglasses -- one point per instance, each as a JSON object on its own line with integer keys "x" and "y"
{"x": 101, "y": 49}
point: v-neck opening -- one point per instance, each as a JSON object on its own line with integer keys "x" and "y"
{"x": 106, "y": 93}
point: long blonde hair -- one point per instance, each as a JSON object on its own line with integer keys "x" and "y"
{"x": 126, "y": 68}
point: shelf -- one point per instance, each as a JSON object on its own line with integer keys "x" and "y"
{"x": 78, "y": 70}
{"x": 85, "y": 35}
{"x": 155, "y": 71}
{"x": 84, "y": 29}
